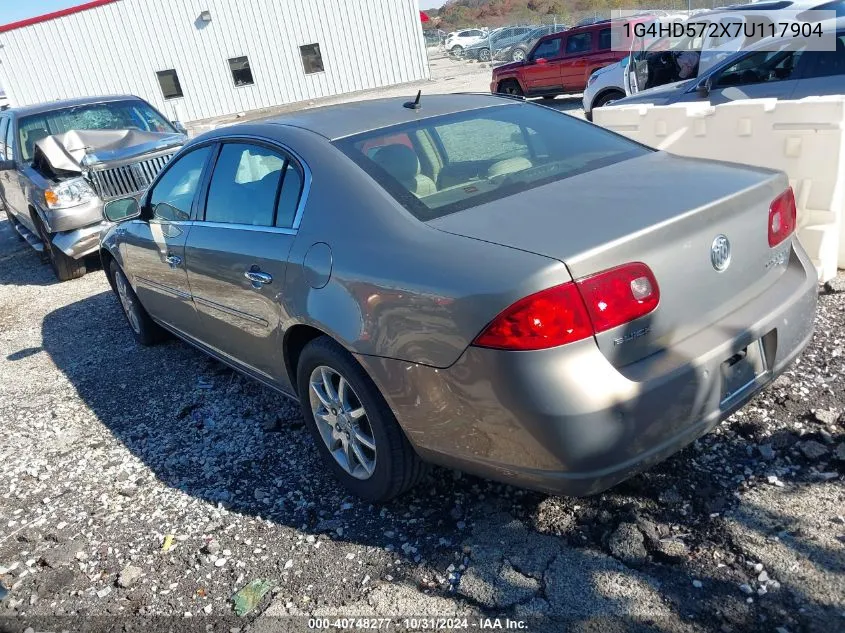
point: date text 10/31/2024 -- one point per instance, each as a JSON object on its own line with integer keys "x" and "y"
{"x": 416, "y": 624}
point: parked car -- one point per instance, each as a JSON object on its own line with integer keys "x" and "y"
{"x": 458, "y": 41}
{"x": 561, "y": 63}
{"x": 498, "y": 39}
{"x": 668, "y": 60}
{"x": 607, "y": 84}
{"x": 783, "y": 69}
{"x": 604, "y": 86}
{"x": 460, "y": 295}
{"x": 519, "y": 49}
{"x": 62, "y": 160}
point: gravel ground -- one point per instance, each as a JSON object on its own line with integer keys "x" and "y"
{"x": 157, "y": 482}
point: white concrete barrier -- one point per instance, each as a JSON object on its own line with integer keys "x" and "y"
{"x": 802, "y": 138}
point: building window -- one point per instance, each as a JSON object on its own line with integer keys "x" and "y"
{"x": 312, "y": 61}
{"x": 241, "y": 73}
{"x": 169, "y": 82}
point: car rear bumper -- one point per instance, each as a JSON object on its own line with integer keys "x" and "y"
{"x": 566, "y": 421}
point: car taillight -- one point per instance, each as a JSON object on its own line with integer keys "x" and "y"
{"x": 549, "y": 318}
{"x": 619, "y": 295}
{"x": 783, "y": 216}
{"x": 574, "y": 311}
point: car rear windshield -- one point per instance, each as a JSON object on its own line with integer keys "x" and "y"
{"x": 113, "y": 115}
{"x": 445, "y": 164}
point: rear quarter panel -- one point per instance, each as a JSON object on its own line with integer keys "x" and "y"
{"x": 397, "y": 288}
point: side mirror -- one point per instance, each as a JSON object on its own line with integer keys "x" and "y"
{"x": 121, "y": 209}
{"x": 704, "y": 87}
{"x": 180, "y": 127}
{"x": 7, "y": 165}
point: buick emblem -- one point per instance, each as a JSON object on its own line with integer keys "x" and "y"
{"x": 720, "y": 253}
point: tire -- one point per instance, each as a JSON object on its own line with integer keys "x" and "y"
{"x": 64, "y": 267}
{"x": 611, "y": 95}
{"x": 518, "y": 55}
{"x": 393, "y": 467}
{"x": 484, "y": 55}
{"x": 509, "y": 87}
{"x": 456, "y": 50}
{"x": 144, "y": 329}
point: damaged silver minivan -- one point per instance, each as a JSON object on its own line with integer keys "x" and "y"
{"x": 61, "y": 161}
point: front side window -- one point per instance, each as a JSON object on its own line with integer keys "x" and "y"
{"x": 579, "y": 43}
{"x": 172, "y": 197}
{"x": 241, "y": 72}
{"x": 547, "y": 49}
{"x": 168, "y": 80}
{"x": 114, "y": 115}
{"x": 312, "y": 60}
{"x": 253, "y": 185}
{"x": 760, "y": 67}
{"x": 486, "y": 155}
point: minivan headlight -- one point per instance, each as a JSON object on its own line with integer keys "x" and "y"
{"x": 70, "y": 193}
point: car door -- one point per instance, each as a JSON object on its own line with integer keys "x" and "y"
{"x": 823, "y": 72}
{"x": 756, "y": 75}
{"x": 573, "y": 65}
{"x": 154, "y": 247}
{"x": 542, "y": 71}
{"x": 237, "y": 252}
{"x": 13, "y": 191}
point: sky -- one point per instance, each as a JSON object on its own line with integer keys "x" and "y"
{"x": 14, "y": 10}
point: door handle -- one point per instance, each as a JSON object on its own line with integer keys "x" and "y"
{"x": 173, "y": 260}
{"x": 257, "y": 277}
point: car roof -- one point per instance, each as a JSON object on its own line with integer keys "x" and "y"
{"x": 50, "y": 106}
{"x": 348, "y": 119}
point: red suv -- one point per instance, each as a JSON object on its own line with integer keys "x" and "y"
{"x": 562, "y": 63}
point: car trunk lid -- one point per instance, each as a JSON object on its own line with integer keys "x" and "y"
{"x": 662, "y": 210}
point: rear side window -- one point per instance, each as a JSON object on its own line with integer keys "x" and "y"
{"x": 10, "y": 141}
{"x": 253, "y": 185}
{"x": 244, "y": 185}
{"x": 605, "y": 39}
{"x": 4, "y": 126}
{"x": 486, "y": 154}
{"x": 828, "y": 63}
{"x": 579, "y": 43}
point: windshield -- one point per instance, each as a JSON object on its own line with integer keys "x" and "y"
{"x": 115, "y": 115}
{"x": 444, "y": 164}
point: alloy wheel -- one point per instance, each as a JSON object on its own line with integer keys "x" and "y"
{"x": 342, "y": 422}
{"x": 518, "y": 55}
{"x": 127, "y": 302}
{"x": 484, "y": 55}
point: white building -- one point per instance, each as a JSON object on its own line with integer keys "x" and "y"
{"x": 195, "y": 59}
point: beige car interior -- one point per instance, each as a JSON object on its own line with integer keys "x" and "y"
{"x": 403, "y": 164}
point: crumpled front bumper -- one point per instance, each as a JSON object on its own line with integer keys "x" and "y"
{"x": 566, "y": 421}
{"x": 79, "y": 243}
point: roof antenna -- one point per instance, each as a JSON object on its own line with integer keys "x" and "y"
{"x": 414, "y": 105}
